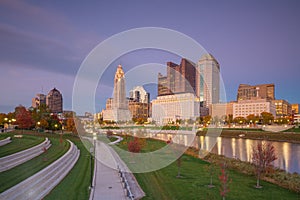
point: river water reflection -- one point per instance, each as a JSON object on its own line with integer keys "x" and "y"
{"x": 288, "y": 153}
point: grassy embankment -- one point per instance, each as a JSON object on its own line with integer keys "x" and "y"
{"x": 19, "y": 173}
{"x": 76, "y": 183}
{"x": 18, "y": 144}
{"x": 163, "y": 184}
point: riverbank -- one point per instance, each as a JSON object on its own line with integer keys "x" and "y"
{"x": 290, "y": 181}
{"x": 194, "y": 179}
{"x": 292, "y": 137}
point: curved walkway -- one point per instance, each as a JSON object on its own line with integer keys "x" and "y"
{"x": 119, "y": 139}
{"x": 40, "y": 184}
{"x": 16, "y": 159}
{"x": 5, "y": 141}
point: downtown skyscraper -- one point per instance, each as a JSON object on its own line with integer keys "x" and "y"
{"x": 208, "y": 80}
{"x": 117, "y": 108}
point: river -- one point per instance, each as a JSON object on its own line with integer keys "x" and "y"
{"x": 288, "y": 153}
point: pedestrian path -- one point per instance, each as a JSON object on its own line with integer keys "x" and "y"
{"x": 107, "y": 182}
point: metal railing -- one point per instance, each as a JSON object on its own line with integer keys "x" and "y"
{"x": 125, "y": 184}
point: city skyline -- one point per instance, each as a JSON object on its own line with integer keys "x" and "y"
{"x": 44, "y": 43}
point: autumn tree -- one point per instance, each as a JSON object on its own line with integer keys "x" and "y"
{"x": 23, "y": 117}
{"x": 134, "y": 145}
{"x": 225, "y": 181}
{"x": 206, "y": 119}
{"x": 267, "y": 117}
{"x": 263, "y": 154}
{"x": 2, "y": 116}
{"x": 252, "y": 118}
{"x": 70, "y": 125}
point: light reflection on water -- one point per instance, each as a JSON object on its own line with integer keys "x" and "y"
{"x": 288, "y": 153}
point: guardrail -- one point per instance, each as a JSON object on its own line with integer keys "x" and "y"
{"x": 125, "y": 183}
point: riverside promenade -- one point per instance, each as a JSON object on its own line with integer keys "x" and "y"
{"x": 107, "y": 182}
{"x": 112, "y": 178}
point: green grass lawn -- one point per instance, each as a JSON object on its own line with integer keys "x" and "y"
{"x": 296, "y": 130}
{"x": 21, "y": 172}
{"x": 163, "y": 184}
{"x": 19, "y": 144}
{"x": 76, "y": 184}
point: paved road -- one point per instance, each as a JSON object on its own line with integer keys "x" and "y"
{"x": 107, "y": 183}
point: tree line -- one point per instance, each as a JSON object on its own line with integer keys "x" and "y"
{"x": 39, "y": 118}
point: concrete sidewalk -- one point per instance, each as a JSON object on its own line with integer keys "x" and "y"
{"x": 107, "y": 183}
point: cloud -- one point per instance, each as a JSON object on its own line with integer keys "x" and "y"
{"x": 35, "y": 51}
{"x": 41, "y": 38}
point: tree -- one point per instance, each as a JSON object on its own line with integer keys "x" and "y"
{"x": 54, "y": 123}
{"x": 41, "y": 112}
{"x": 2, "y": 116}
{"x": 211, "y": 168}
{"x": 23, "y": 117}
{"x": 206, "y": 119}
{"x": 179, "y": 161}
{"x": 252, "y": 118}
{"x": 134, "y": 145}
{"x": 263, "y": 154}
{"x": 44, "y": 124}
{"x": 225, "y": 181}
{"x": 267, "y": 117}
{"x": 281, "y": 120}
{"x": 229, "y": 119}
{"x": 70, "y": 126}
{"x": 239, "y": 120}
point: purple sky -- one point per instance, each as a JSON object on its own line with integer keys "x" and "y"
{"x": 43, "y": 43}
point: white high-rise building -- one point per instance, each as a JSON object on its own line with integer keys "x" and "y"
{"x": 169, "y": 108}
{"x": 119, "y": 109}
{"x": 208, "y": 82}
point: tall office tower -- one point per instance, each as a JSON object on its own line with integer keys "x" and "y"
{"x": 119, "y": 100}
{"x": 38, "y": 100}
{"x": 118, "y": 111}
{"x": 208, "y": 80}
{"x": 162, "y": 85}
{"x": 263, "y": 91}
{"x": 179, "y": 79}
{"x": 54, "y": 101}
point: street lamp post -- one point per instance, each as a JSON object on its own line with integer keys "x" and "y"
{"x": 38, "y": 125}
{"x": 93, "y": 154}
{"x": 5, "y": 124}
{"x": 55, "y": 127}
